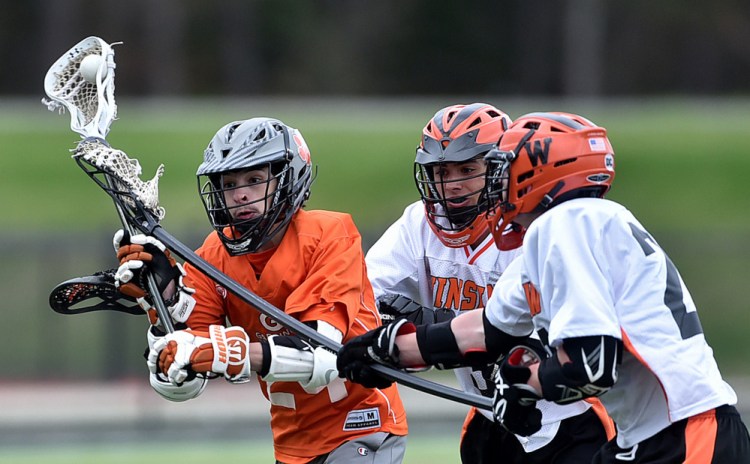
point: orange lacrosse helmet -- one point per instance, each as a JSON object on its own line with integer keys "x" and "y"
{"x": 457, "y": 134}
{"x": 542, "y": 160}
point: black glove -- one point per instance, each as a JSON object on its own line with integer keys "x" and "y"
{"x": 377, "y": 346}
{"x": 514, "y": 403}
{"x": 484, "y": 379}
{"x": 393, "y": 307}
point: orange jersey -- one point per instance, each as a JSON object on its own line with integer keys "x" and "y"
{"x": 317, "y": 273}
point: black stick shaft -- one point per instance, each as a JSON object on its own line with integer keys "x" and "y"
{"x": 161, "y": 309}
{"x": 308, "y": 332}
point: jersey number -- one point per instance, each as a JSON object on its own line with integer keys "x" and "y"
{"x": 687, "y": 322}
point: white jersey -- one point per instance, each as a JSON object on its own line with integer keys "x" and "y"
{"x": 410, "y": 260}
{"x": 596, "y": 271}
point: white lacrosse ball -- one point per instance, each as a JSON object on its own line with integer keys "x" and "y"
{"x": 89, "y": 67}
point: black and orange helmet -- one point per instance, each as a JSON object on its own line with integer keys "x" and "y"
{"x": 457, "y": 134}
{"x": 542, "y": 160}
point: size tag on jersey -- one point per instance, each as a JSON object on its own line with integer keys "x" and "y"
{"x": 362, "y": 419}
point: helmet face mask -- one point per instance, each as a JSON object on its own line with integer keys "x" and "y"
{"x": 448, "y": 209}
{"x": 449, "y": 170}
{"x": 500, "y": 213}
{"x": 256, "y": 174}
{"x": 543, "y": 160}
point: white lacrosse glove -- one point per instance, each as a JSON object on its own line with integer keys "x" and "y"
{"x": 223, "y": 351}
{"x": 141, "y": 252}
{"x": 189, "y": 389}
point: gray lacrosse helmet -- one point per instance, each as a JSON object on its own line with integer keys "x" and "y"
{"x": 255, "y": 143}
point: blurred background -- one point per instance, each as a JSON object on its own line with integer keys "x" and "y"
{"x": 360, "y": 79}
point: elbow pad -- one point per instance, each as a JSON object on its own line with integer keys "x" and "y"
{"x": 592, "y": 369}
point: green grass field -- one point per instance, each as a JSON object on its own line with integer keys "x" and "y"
{"x": 680, "y": 165}
{"x": 422, "y": 450}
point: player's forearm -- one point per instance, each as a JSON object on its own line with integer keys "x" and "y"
{"x": 468, "y": 328}
{"x": 408, "y": 351}
{"x": 256, "y": 356}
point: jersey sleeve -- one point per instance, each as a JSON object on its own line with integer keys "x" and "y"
{"x": 507, "y": 308}
{"x": 392, "y": 260}
{"x": 565, "y": 258}
{"x": 335, "y": 288}
{"x": 209, "y": 302}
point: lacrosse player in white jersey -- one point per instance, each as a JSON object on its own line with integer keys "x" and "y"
{"x": 616, "y": 318}
{"x": 439, "y": 259}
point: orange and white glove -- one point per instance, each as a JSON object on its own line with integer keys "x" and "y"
{"x": 140, "y": 252}
{"x": 222, "y": 351}
{"x": 187, "y": 390}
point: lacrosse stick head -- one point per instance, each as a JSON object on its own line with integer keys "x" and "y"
{"x": 91, "y": 105}
{"x": 92, "y": 293}
{"x": 119, "y": 176}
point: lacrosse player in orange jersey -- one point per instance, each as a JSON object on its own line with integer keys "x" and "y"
{"x": 254, "y": 180}
{"x": 439, "y": 260}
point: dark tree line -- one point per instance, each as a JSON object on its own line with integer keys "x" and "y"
{"x": 390, "y": 47}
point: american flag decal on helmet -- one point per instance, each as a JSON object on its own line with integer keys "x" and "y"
{"x": 597, "y": 144}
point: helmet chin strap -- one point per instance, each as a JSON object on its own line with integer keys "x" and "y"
{"x": 244, "y": 226}
{"x": 548, "y": 198}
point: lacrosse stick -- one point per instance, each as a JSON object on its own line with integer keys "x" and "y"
{"x": 132, "y": 195}
{"x": 92, "y": 293}
{"x": 137, "y": 203}
{"x": 92, "y": 110}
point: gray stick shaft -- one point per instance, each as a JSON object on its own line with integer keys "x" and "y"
{"x": 308, "y": 332}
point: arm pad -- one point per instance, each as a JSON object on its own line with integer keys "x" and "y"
{"x": 499, "y": 343}
{"x": 291, "y": 359}
{"x": 591, "y": 372}
{"x": 438, "y": 346}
